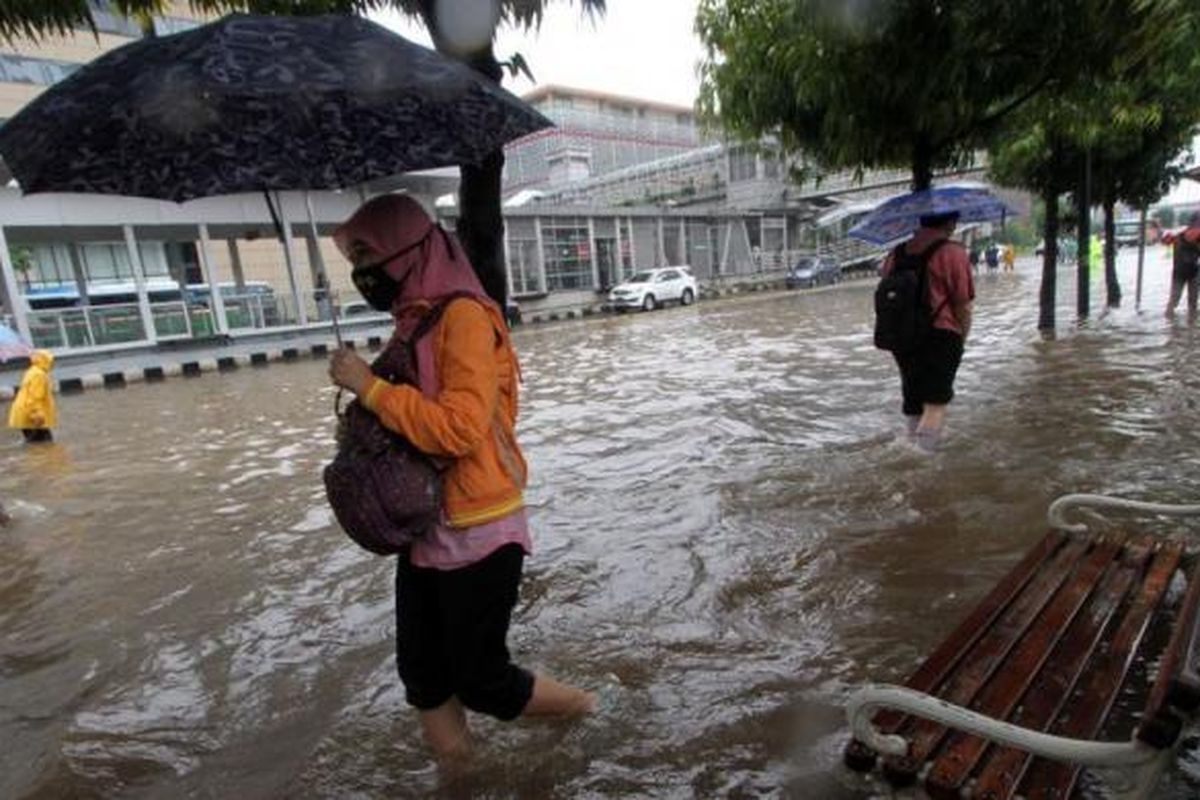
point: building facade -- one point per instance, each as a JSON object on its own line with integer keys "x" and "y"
{"x": 595, "y": 134}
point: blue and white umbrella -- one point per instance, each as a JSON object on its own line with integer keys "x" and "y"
{"x": 898, "y": 217}
{"x": 11, "y": 345}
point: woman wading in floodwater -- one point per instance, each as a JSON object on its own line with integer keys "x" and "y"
{"x": 456, "y": 588}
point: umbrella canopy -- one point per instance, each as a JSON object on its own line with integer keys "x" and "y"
{"x": 252, "y": 103}
{"x": 898, "y": 217}
{"x": 11, "y": 345}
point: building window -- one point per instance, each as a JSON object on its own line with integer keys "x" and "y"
{"x": 770, "y": 164}
{"x": 742, "y": 165}
{"x": 49, "y": 265}
{"x": 774, "y": 234}
{"x": 523, "y": 266}
{"x": 567, "y": 253}
{"x": 42, "y": 71}
{"x": 109, "y": 262}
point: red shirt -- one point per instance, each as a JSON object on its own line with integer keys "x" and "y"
{"x": 948, "y": 273}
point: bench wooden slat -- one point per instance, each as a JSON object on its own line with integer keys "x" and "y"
{"x": 1050, "y": 687}
{"x": 1052, "y": 780}
{"x": 986, "y": 656}
{"x": 941, "y": 662}
{"x": 1160, "y": 725}
{"x": 1185, "y": 688}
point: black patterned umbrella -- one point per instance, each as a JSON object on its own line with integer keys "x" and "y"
{"x": 254, "y": 103}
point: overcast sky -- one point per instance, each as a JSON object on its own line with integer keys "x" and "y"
{"x": 640, "y": 48}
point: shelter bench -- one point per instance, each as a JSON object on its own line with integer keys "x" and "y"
{"x": 1086, "y": 654}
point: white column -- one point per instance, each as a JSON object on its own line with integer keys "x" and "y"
{"x": 619, "y": 266}
{"x": 81, "y": 286}
{"x": 289, "y": 260}
{"x": 209, "y": 268}
{"x": 661, "y": 255}
{"x": 633, "y": 263}
{"x": 139, "y": 279}
{"x": 235, "y": 264}
{"x": 592, "y": 253}
{"x": 683, "y": 248}
{"x": 541, "y": 255}
{"x": 725, "y": 249}
{"x": 507, "y": 265}
{"x": 13, "y": 300}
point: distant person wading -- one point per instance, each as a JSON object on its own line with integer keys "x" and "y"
{"x": 34, "y": 412}
{"x": 1185, "y": 266}
{"x": 923, "y": 316}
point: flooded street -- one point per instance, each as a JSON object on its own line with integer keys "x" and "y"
{"x": 723, "y": 519}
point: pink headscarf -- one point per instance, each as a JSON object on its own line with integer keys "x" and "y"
{"x": 439, "y": 267}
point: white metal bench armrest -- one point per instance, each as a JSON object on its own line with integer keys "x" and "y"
{"x": 863, "y": 704}
{"x": 1060, "y": 506}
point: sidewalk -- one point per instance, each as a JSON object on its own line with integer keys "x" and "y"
{"x": 188, "y": 358}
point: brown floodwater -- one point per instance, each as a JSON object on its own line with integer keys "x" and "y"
{"x": 724, "y": 521}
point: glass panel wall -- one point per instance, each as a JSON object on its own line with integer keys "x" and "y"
{"x": 567, "y": 253}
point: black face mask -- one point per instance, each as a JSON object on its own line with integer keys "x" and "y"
{"x": 375, "y": 285}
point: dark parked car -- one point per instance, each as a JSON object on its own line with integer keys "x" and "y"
{"x": 813, "y": 271}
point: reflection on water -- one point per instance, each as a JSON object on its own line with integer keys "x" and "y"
{"x": 723, "y": 516}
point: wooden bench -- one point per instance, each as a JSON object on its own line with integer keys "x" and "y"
{"x": 1048, "y": 673}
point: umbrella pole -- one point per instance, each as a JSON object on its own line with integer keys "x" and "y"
{"x": 333, "y": 312}
{"x": 330, "y": 295}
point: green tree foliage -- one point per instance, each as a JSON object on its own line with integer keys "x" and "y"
{"x": 884, "y": 83}
{"x": 1121, "y": 127}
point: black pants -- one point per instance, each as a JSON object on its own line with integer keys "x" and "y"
{"x": 37, "y": 434}
{"x": 451, "y": 631}
{"x": 927, "y": 374}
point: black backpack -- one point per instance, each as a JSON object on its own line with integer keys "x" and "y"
{"x": 902, "y": 313}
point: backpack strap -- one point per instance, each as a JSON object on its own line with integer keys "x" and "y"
{"x": 923, "y": 256}
{"x": 431, "y": 318}
{"x": 922, "y": 260}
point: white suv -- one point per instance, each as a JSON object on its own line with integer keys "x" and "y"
{"x": 654, "y": 288}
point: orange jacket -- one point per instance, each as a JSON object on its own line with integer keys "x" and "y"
{"x": 472, "y": 421}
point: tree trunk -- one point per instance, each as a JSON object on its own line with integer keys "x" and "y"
{"x": 1083, "y": 241}
{"x": 1049, "y": 261}
{"x": 1137, "y": 303}
{"x": 1112, "y": 287}
{"x": 480, "y": 225}
{"x": 922, "y": 165}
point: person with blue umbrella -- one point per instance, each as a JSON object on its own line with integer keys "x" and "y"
{"x": 923, "y": 316}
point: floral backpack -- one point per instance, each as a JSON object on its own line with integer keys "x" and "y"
{"x": 384, "y": 491}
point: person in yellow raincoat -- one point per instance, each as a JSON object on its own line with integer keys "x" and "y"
{"x": 33, "y": 411}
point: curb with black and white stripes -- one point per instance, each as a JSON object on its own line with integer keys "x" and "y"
{"x": 191, "y": 368}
